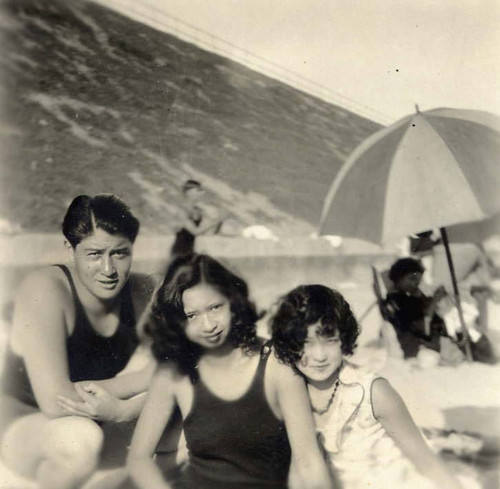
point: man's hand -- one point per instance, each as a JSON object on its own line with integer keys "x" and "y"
{"x": 96, "y": 403}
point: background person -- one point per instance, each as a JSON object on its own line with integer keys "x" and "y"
{"x": 418, "y": 321}
{"x": 413, "y": 313}
{"x": 367, "y": 432}
{"x": 245, "y": 415}
{"x": 195, "y": 220}
{"x": 74, "y": 329}
{"x": 474, "y": 270}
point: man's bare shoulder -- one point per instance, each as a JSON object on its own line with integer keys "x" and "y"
{"x": 49, "y": 283}
{"x": 43, "y": 302}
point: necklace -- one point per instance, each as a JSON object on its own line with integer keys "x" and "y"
{"x": 329, "y": 403}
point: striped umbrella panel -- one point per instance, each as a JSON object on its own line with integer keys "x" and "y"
{"x": 423, "y": 172}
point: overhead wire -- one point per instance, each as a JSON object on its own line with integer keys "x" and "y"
{"x": 166, "y": 22}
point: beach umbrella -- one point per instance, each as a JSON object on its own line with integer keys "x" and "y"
{"x": 475, "y": 232}
{"x": 428, "y": 170}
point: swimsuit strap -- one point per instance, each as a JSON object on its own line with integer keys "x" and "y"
{"x": 66, "y": 271}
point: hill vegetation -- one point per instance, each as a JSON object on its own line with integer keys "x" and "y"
{"x": 95, "y": 102}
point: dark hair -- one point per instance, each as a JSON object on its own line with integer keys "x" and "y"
{"x": 403, "y": 267}
{"x": 306, "y": 305}
{"x": 168, "y": 319}
{"x": 104, "y": 211}
{"x": 189, "y": 184}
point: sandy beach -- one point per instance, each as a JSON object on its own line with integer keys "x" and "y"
{"x": 462, "y": 398}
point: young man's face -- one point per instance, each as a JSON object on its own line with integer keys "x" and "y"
{"x": 102, "y": 264}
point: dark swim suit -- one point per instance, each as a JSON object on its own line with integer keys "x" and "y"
{"x": 184, "y": 239}
{"x": 408, "y": 322}
{"x": 90, "y": 355}
{"x": 236, "y": 444}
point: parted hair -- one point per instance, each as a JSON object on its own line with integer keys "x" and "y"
{"x": 307, "y": 305}
{"x": 104, "y": 211}
{"x": 167, "y": 325}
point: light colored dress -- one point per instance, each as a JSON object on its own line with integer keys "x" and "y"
{"x": 361, "y": 452}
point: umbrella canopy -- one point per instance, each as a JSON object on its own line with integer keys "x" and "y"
{"x": 475, "y": 232}
{"x": 428, "y": 170}
{"x": 431, "y": 169}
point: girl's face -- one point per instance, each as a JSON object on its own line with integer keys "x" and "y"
{"x": 208, "y": 314}
{"x": 321, "y": 357}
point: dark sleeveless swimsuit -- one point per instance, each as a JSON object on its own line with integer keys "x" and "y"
{"x": 90, "y": 355}
{"x": 236, "y": 444}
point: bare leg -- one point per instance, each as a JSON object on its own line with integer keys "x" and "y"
{"x": 58, "y": 453}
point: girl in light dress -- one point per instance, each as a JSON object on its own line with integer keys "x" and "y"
{"x": 366, "y": 430}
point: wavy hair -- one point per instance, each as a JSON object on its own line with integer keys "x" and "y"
{"x": 167, "y": 327}
{"x": 306, "y": 305}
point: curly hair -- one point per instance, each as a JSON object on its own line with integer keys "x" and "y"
{"x": 306, "y": 305}
{"x": 405, "y": 266}
{"x": 167, "y": 327}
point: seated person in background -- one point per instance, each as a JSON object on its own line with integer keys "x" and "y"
{"x": 194, "y": 220}
{"x": 417, "y": 323}
{"x": 74, "y": 329}
{"x": 412, "y": 312}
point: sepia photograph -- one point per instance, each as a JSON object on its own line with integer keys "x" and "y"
{"x": 249, "y": 244}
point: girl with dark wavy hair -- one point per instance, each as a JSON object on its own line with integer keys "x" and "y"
{"x": 245, "y": 415}
{"x": 367, "y": 432}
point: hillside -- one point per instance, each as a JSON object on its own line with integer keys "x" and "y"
{"x": 93, "y": 102}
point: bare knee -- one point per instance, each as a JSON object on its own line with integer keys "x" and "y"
{"x": 66, "y": 447}
{"x": 22, "y": 444}
{"x": 74, "y": 439}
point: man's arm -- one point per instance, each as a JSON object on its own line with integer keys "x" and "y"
{"x": 39, "y": 332}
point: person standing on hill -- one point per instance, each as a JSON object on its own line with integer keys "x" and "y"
{"x": 194, "y": 220}
{"x": 74, "y": 329}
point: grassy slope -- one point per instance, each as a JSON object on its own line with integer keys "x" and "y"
{"x": 96, "y": 102}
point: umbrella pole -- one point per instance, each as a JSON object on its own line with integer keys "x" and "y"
{"x": 468, "y": 352}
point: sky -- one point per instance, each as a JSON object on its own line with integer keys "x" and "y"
{"x": 386, "y": 55}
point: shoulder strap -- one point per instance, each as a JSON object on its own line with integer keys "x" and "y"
{"x": 127, "y": 312}
{"x": 81, "y": 319}
{"x": 257, "y": 386}
{"x": 265, "y": 350}
{"x": 66, "y": 271}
